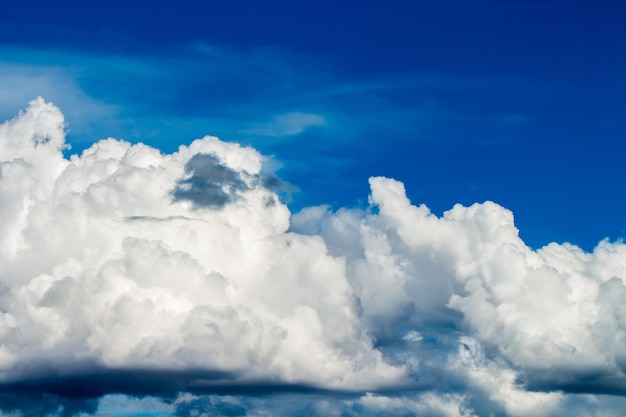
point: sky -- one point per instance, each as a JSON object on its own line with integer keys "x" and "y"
{"x": 312, "y": 208}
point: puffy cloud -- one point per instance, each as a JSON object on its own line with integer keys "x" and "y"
{"x": 547, "y": 312}
{"x": 125, "y": 270}
{"x": 126, "y": 258}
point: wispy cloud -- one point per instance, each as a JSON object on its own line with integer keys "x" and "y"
{"x": 289, "y": 124}
{"x": 202, "y": 89}
{"x": 21, "y": 81}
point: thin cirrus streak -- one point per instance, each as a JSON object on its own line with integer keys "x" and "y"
{"x": 183, "y": 276}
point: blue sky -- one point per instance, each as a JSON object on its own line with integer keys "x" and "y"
{"x": 518, "y": 102}
{"x": 522, "y": 103}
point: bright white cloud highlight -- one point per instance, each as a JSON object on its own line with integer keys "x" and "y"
{"x": 125, "y": 259}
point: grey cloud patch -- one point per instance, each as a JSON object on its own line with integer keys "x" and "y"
{"x": 215, "y": 392}
{"x": 577, "y": 382}
{"x": 209, "y": 183}
{"x": 283, "y": 189}
{"x": 208, "y": 168}
{"x": 272, "y": 182}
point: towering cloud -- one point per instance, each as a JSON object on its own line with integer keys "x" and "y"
{"x": 183, "y": 276}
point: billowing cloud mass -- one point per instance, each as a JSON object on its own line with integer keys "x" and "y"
{"x": 183, "y": 278}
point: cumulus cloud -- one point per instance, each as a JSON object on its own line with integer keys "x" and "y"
{"x": 126, "y": 258}
{"x": 183, "y": 276}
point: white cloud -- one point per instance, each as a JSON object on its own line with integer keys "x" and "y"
{"x": 288, "y": 124}
{"x": 542, "y": 310}
{"x": 104, "y": 265}
{"x": 126, "y": 264}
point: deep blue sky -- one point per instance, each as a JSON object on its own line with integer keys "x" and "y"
{"x": 519, "y": 102}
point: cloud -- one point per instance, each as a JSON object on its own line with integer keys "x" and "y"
{"x": 268, "y": 94}
{"x": 209, "y": 183}
{"x": 99, "y": 93}
{"x": 182, "y": 277}
{"x": 542, "y": 311}
{"x": 289, "y": 124}
{"x": 177, "y": 274}
{"x": 21, "y": 82}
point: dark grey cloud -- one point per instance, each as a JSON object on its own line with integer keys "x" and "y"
{"x": 84, "y": 384}
{"x": 576, "y": 381}
{"x": 48, "y": 393}
{"x": 210, "y": 184}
